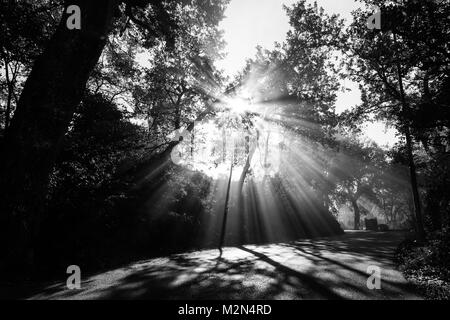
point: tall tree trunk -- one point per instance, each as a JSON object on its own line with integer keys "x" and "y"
{"x": 10, "y": 86}
{"x": 414, "y": 187}
{"x": 409, "y": 149}
{"x": 357, "y": 215}
{"x": 8, "y": 107}
{"x": 51, "y": 93}
{"x": 225, "y": 211}
{"x": 249, "y": 152}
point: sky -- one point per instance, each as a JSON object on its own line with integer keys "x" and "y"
{"x": 249, "y": 23}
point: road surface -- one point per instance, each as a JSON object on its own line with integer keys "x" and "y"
{"x": 325, "y": 268}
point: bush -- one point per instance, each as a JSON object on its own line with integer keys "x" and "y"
{"x": 426, "y": 264}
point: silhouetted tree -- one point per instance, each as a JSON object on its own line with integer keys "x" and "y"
{"x": 50, "y": 96}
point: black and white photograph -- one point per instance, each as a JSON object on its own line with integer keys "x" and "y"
{"x": 224, "y": 154}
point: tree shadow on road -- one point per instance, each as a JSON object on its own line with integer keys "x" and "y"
{"x": 309, "y": 269}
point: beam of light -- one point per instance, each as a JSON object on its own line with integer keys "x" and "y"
{"x": 279, "y": 170}
{"x": 281, "y": 197}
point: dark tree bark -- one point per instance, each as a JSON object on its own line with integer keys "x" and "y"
{"x": 52, "y": 91}
{"x": 10, "y": 86}
{"x": 357, "y": 215}
{"x": 412, "y": 166}
{"x": 409, "y": 149}
{"x": 414, "y": 187}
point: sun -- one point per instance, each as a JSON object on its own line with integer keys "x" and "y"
{"x": 238, "y": 105}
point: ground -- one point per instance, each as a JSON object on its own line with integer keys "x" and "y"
{"x": 325, "y": 268}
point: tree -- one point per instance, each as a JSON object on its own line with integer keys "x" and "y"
{"x": 44, "y": 110}
{"x": 296, "y": 83}
{"x": 51, "y": 93}
{"x": 397, "y": 66}
{"x": 355, "y": 172}
{"x": 26, "y": 26}
{"x": 291, "y": 91}
{"x": 179, "y": 83}
{"x": 393, "y": 196}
